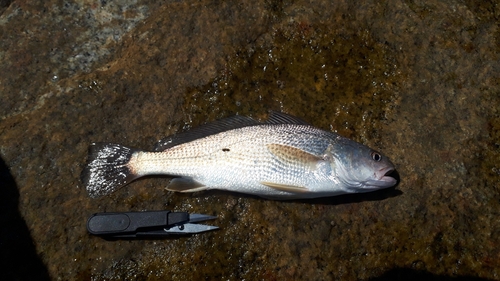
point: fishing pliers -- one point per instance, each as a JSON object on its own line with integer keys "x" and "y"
{"x": 149, "y": 224}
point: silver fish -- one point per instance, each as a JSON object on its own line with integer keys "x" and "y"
{"x": 282, "y": 158}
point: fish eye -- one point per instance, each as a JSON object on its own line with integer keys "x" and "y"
{"x": 376, "y": 156}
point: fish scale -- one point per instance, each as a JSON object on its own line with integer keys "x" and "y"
{"x": 245, "y": 150}
{"x": 281, "y": 159}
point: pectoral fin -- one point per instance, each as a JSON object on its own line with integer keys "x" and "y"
{"x": 292, "y": 154}
{"x": 185, "y": 185}
{"x": 286, "y": 187}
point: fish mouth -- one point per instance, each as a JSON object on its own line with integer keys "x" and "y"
{"x": 383, "y": 178}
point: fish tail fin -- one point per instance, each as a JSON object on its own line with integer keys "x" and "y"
{"x": 106, "y": 169}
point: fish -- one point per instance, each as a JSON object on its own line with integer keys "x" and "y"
{"x": 281, "y": 158}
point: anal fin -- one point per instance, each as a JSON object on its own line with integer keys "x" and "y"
{"x": 185, "y": 185}
{"x": 286, "y": 187}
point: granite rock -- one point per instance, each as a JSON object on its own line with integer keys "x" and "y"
{"x": 417, "y": 80}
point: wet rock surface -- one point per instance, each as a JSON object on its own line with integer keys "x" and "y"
{"x": 419, "y": 81}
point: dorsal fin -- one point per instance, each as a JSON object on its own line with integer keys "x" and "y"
{"x": 277, "y": 118}
{"x": 213, "y": 128}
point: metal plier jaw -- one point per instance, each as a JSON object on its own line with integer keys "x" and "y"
{"x": 153, "y": 224}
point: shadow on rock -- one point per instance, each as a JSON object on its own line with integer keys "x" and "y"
{"x": 408, "y": 274}
{"x": 18, "y": 258}
{"x": 359, "y": 197}
{"x": 378, "y": 195}
{"x": 332, "y": 200}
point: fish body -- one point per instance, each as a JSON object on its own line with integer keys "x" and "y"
{"x": 283, "y": 158}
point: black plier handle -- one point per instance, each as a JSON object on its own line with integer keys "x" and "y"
{"x": 129, "y": 223}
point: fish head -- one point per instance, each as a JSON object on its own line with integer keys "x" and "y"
{"x": 363, "y": 169}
